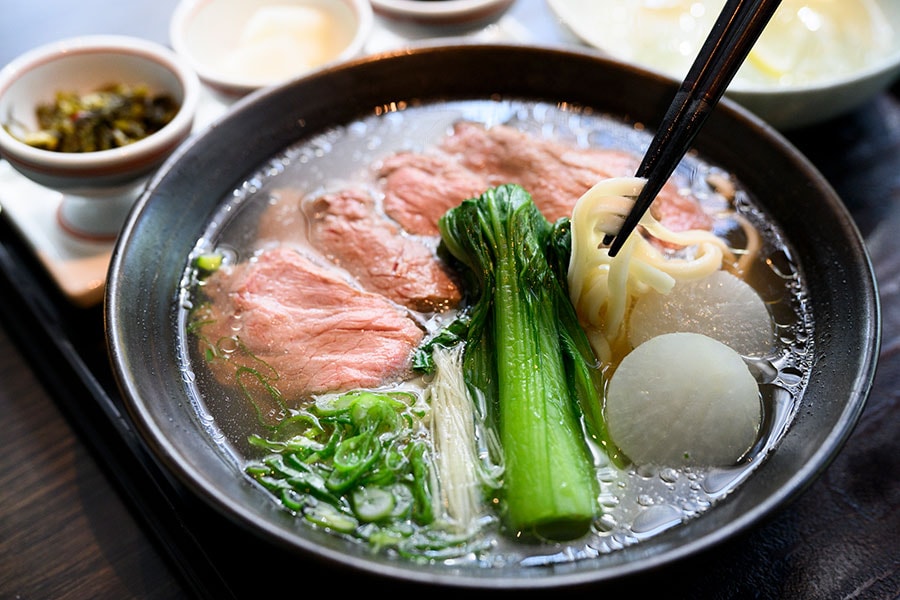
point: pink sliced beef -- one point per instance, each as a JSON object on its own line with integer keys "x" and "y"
{"x": 306, "y": 329}
{"x": 346, "y": 229}
{"x": 419, "y": 188}
{"x": 375, "y": 250}
{"x": 302, "y": 323}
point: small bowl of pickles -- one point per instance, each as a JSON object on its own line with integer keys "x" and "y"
{"x": 93, "y": 117}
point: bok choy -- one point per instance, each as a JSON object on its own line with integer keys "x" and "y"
{"x": 526, "y": 353}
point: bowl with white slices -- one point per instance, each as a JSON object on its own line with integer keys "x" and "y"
{"x": 815, "y": 60}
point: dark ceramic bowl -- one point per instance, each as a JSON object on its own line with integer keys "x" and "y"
{"x": 150, "y": 257}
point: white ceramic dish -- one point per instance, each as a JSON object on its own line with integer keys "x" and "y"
{"x": 77, "y": 266}
{"x": 238, "y": 46}
{"x": 444, "y": 12}
{"x": 98, "y": 187}
{"x": 792, "y": 100}
{"x": 82, "y": 65}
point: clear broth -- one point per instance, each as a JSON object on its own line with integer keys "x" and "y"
{"x": 638, "y": 502}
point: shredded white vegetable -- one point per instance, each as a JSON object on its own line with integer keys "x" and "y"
{"x": 602, "y": 288}
{"x": 462, "y": 464}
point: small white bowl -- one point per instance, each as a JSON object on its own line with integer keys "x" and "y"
{"x": 98, "y": 187}
{"x": 665, "y": 35}
{"x": 239, "y": 46}
{"x": 445, "y": 12}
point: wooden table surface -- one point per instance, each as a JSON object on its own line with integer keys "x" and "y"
{"x": 69, "y": 530}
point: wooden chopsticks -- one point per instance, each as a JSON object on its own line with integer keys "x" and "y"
{"x": 735, "y": 31}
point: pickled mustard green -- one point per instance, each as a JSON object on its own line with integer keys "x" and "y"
{"x": 111, "y": 117}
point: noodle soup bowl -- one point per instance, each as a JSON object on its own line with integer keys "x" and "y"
{"x": 148, "y": 348}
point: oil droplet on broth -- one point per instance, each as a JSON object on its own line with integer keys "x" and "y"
{"x": 721, "y": 480}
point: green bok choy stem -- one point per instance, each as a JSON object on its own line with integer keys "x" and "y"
{"x": 522, "y": 352}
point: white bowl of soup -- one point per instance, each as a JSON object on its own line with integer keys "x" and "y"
{"x": 238, "y": 46}
{"x": 816, "y": 59}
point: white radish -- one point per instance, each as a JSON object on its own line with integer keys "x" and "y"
{"x": 720, "y": 305}
{"x": 683, "y": 399}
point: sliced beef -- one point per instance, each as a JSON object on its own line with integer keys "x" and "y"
{"x": 420, "y": 188}
{"x": 555, "y": 174}
{"x": 283, "y": 220}
{"x": 304, "y": 329}
{"x": 375, "y": 250}
{"x": 346, "y": 228}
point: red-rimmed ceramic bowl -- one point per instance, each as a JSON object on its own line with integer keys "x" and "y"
{"x": 98, "y": 187}
{"x": 81, "y": 65}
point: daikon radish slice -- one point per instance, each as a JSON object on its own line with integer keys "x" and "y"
{"x": 683, "y": 399}
{"x": 720, "y": 305}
